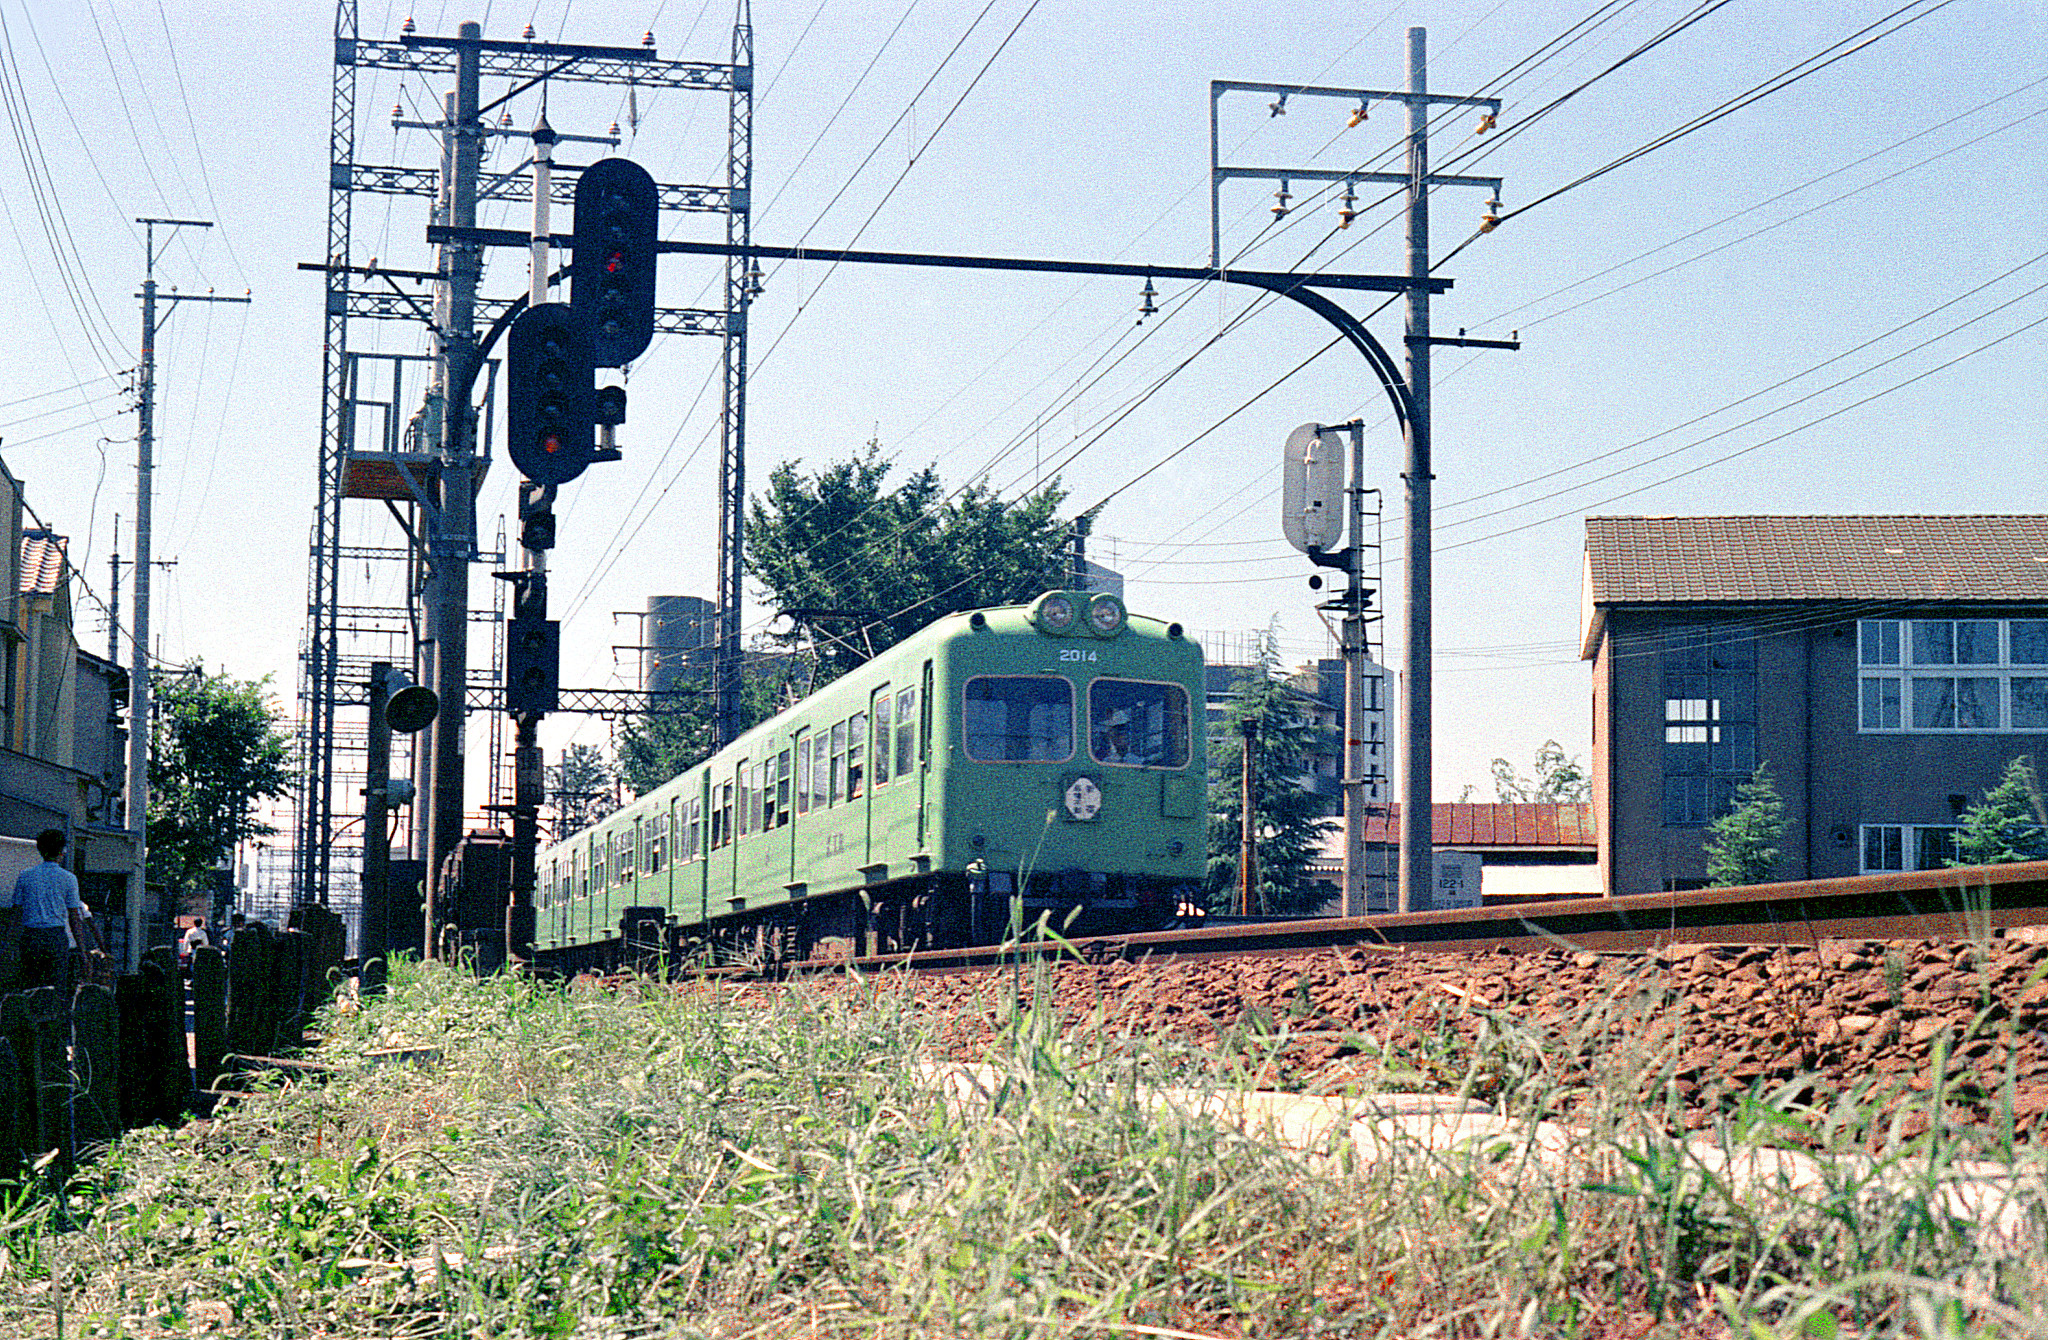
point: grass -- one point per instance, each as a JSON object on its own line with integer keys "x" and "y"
{"x": 746, "y": 1162}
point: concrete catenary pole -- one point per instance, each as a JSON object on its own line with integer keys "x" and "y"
{"x": 1417, "y": 863}
{"x": 453, "y": 544}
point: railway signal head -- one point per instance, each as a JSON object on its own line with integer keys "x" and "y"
{"x": 612, "y": 275}
{"x": 550, "y": 403}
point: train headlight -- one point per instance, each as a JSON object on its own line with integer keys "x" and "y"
{"x": 1106, "y": 615}
{"x": 1083, "y": 799}
{"x": 1057, "y": 613}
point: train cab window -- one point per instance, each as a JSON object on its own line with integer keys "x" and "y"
{"x": 1019, "y": 719}
{"x": 782, "y": 788}
{"x": 906, "y": 732}
{"x": 856, "y": 753}
{"x": 885, "y": 744}
{"x": 838, "y": 792}
{"x": 1138, "y": 724}
{"x": 803, "y": 773}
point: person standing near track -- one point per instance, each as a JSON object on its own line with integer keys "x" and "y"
{"x": 46, "y": 895}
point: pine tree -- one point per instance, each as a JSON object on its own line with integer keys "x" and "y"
{"x": 2008, "y": 824}
{"x": 1288, "y": 817}
{"x": 1742, "y": 845}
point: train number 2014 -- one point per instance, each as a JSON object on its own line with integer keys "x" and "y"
{"x": 835, "y": 843}
{"x": 1076, "y": 654}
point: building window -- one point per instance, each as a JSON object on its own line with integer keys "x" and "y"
{"x": 1931, "y": 675}
{"x": 1907, "y": 847}
{"x": 1709, "y": 721}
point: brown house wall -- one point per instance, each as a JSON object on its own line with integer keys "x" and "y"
{"x": 1832, "y": 778}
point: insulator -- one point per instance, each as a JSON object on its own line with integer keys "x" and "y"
{"x": 1280, "y": 199}
{"x": 754, "y": 284}
{"x": 397, "y": 110}
{"x": 505, "y": 118}
{"x": 1279, "y": 107}
{"x": 1147, "y": 306}
{"x": 647, "y": 38}
{"x": 528, "y": 34}
{"x": 1350, "y": 208}
{"x": 1345, "y": 216}
{"x": 614, "y": 132}
{"x": 407, "y": 26}
{"x": 1357, "y": 117}
{"x": 1485, "y": 123}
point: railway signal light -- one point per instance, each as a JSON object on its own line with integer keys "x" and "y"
{"x": 533, "y": 664}
{"x": 612, "y": 274}
{"x": 550, "y": 403}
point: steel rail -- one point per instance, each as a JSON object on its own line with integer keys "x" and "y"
{"x": 1965, "y": 902}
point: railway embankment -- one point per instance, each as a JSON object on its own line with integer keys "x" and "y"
{"x": 503, "y": 1157}
{"x": 1702, "y": 1028}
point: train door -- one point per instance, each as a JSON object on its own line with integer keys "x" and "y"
{"x": 802, "y": 747}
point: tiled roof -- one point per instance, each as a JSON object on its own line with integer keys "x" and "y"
{"x": 1520, "y": 825}
{"x": 1647, "y": 560}
{"x": 42, "y": 562}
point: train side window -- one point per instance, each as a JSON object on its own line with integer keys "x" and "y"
{"x": 600, "y": 864}
{"x": 696, "y": 828}
{"x": 721, "y": 796}
{"x": 856, "y": 753}
{"x": 622, "y": 867}
{"x": 577, "y": 887}
{"x": 757, "y": 798}
{"x": 768, "y": 805}
{"x": 906, "y": 732}
{"x": 782, "y": 788}
{"x": 1018, "y": 719}
{"x": 657, "y": 843}
{"x": 838, "y": 792}
{"x": 885, "y": 742}
{"x": 743, "y": 776}
{"x": 803, "y": 774}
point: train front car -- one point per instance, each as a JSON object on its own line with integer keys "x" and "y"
{"x": 1074, "y": 769}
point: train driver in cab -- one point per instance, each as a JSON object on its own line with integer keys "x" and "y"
{"x": 1113, "y": 743}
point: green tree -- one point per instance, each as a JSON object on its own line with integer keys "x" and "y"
{"x": 2009, "y": 824}
{"x": 856, "y": 567}
{"x": 582, "y": 788}
{"x": 1288, "y": 817}
{"x": 216, "y": 752}
{"x": 655, "y": 746}
{"x": 1742, "y": 845}
{"x": 1558, "y": 778}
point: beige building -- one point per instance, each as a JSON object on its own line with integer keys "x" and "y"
{"x": 62, "y": 737}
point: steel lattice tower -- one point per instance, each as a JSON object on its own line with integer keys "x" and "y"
{"x": 363, "y": 396}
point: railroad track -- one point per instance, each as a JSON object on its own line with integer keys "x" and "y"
{"x": 1955, "y": 904}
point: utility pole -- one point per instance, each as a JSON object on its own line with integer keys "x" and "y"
{"x": 114, "y": 597}
{"x": 1418, "y": 807}
{"x": 1409, "y": 389}
{"x": 1248, "y": 824}
{"x": 145, "y": 467}
{"x": 1352, "y": 629}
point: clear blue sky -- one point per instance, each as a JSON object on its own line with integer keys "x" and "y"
{"x": 1699, "y": 324}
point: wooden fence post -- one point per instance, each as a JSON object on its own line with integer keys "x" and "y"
{"x": 209, "y": 1014}
{"x": 96, "y": 1062}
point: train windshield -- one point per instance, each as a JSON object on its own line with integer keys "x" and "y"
{"x": 1138, "y": 724}
{"x": 1019, "y": 719}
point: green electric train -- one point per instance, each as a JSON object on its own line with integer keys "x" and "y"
{"x": 1002, "y": 770}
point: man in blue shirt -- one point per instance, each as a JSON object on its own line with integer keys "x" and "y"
{"x": 47, "y": 898}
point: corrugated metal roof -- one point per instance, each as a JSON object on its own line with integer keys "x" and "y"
{"x": 1649, "y": 560}
{"x": 1455, "y": 824}
{"x": 42, "y": 562}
